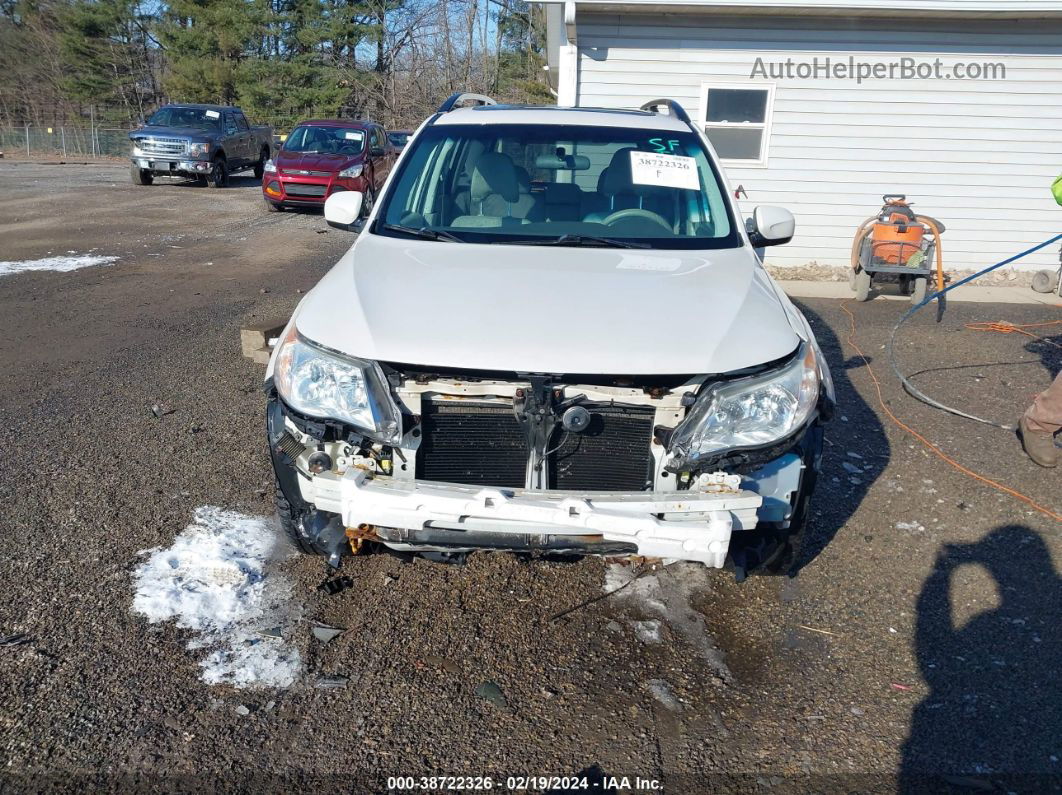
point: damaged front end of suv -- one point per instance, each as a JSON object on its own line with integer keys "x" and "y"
{"x": 551, "y": 337}
{"x": 704, "y": 469}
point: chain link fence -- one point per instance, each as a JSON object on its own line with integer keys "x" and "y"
{"x": 64, "y": 141}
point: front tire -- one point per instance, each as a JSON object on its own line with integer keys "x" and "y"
{"x": 259, "y": 167}
{"x": 292, "y": 520}
{"x": 141, "y": 176}
{"x": 219, "y": 174}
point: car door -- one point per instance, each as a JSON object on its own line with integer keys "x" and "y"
{"x": 250, "y": 148}
{"x": 378, "y": 154}
{"x": 235, "y": 149}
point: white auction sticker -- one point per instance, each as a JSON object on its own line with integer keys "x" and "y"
{"x": 212, "y": 114}
{"x": 667, "y": 171}
{"x": 352, "y": 136}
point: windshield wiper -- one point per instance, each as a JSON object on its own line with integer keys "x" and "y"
{"x": 423, "y": 232}
{"x": 578, "y": 240}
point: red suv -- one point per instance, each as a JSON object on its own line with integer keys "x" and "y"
{"x": 323, "y": 157}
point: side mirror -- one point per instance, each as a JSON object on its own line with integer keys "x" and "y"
{"x": 771, "y": 226}
{"x": 377, "y": 151}
{"x": 343, "y": 210}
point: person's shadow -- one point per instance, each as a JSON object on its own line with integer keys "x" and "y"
{"x": 993, "y": 716}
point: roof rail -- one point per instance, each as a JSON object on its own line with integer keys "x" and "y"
{"x": 672, "y": 106}
{"x": 453, "y": 99}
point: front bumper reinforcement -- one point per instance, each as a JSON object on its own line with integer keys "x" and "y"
{"x": 681, "y": 525}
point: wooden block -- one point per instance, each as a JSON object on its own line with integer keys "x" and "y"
{"x": 254, "y": 339}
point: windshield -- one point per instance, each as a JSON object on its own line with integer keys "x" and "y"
{"x": 325, "y": 140}
{"x": 185, "y": 117}
{"x": 398, "y": 138}
{"x": 565, "y": 184}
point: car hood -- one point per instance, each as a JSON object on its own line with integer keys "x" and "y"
{"x": 549, "y": 309}
{"x": 188, "y": 133}
{"x": 315, "y": 161}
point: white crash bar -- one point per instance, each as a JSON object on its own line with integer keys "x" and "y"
{"x": 697, "y": 527}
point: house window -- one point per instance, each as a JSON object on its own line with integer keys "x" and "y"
{"x": 737, "y": 120}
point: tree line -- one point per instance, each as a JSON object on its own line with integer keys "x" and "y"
{"x": 115, "y": 61}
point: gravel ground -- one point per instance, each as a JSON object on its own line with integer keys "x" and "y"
{"x": 918, "y": 648}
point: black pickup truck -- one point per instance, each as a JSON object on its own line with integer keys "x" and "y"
{"x": 204, "y": 142}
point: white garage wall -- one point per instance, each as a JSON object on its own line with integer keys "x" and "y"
{"x": 978, "y": 155}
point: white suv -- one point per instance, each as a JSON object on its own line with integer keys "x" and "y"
{"x": 552, "y": 335}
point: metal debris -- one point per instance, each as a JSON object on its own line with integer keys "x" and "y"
{"x": 160, "y": 410}
{"x": 442, "y": 662}
{"x": 272, "y": 632}
{"x": 331, "y": 682}
{"x": 489, "y": 691}
{"x": 20, "y": 639}
{"x": 335, "y": 585}
{"x": 325, "y": 633}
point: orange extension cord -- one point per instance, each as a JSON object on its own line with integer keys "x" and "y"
{"x": 1000, "y": 326}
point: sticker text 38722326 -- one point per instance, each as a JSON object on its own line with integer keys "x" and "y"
{"x": 668, "y": 171}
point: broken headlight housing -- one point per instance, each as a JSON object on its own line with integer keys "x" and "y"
{"x": 749, "y": 412}
{"x": 320, "y": 383}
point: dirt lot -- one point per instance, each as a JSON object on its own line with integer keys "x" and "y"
{"x": 921, "y": 638}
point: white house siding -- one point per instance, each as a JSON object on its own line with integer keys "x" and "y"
{"x": 978, "y": 155}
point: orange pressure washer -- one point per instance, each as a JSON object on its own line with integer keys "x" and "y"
{"x": 898, "y": 245}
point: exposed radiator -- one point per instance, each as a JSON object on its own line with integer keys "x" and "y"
{"x": 481, "y": 445}
{"x": 613, "y": 454}
{"x": 484, "y": 445}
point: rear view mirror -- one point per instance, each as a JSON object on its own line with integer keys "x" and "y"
{"x": 565, "y": 163}
{"x": 771, "y": 226}
{"x": 343, "y": 210}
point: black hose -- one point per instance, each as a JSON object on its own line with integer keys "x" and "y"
{"x": 911, "y": 388}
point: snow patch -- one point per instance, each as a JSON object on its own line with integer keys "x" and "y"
{"x": 663, "y": 693}
{"x": 214, "y": 580}
{"x": 667, "y": 594}
{"x": 61, "y": 264}
{"x": 647, "y": 631}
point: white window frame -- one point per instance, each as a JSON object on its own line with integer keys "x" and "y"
{"x": 768, "y": 121}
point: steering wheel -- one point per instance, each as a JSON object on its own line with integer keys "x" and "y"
{"x": 635, "y": 212}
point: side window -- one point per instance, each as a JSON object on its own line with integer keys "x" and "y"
{"x": 376, "y": 139}
{"x": 241, "y": 122}
{"x": 230, "y": 123}
{"x": 737, "y": 120}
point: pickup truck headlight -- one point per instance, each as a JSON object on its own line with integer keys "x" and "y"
{"x": 199, "y": 150}
{"x": 350, "y": 173}
{"x": 137, "y": 152}
{"x": 749, "y": 412}
{"x": 324, "y": 384}
{"x": 270, "y": 167}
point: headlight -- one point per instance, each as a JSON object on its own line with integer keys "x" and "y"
{"x": 270, "y": 167}
{"x": 749, "y": 412}
{"x": 322, "y": 384}
{"x": 137, "y": 151}
{"x": 350, "y": 173}
{"x": 198, "y": 150}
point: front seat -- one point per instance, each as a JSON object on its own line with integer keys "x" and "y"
{"x": 528, "y": 205}
{"x": 493, "y": 191}
{"x": 617, "y": 185}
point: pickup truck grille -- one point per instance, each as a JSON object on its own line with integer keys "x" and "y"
{"x": 484, "y": 445}
{"x": 162, "y": 147}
